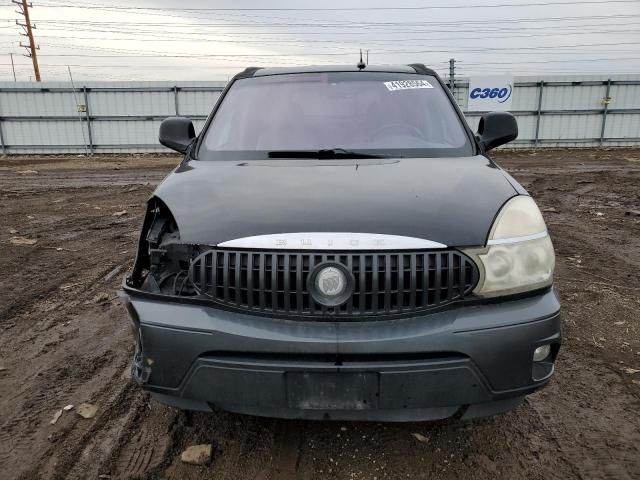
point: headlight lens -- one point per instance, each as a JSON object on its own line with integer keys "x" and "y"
{"x": 519, "y": 254}
{"x": 520, "y": 216}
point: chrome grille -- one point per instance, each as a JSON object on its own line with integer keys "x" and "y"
{"x": 386, "y": 283}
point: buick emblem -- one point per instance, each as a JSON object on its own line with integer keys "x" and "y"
{"x": 330, "y": 284}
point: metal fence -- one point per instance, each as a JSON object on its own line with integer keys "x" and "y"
{"x": 98, "y": 117}
{"x": 571, "y": 110}
{"x": 108, "y": 117}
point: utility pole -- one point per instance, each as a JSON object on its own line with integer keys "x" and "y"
{"x": 452, "y": 74}
{"x": 13, "y": 68}
{"x": 31, "y": 48}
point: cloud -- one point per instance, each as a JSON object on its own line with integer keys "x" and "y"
{"x": 114, "y": 39}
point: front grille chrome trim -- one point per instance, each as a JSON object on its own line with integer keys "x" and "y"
{"x": 278, "y": 282}
{"x": 331, "y": 241}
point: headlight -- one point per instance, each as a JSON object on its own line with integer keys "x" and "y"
{"x": 519, "y": 254}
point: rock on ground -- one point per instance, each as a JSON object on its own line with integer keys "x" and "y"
{"x": 197, "y": 454}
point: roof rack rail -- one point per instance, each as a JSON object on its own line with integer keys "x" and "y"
{"x": 248, "y": 72}
{"x": 420, "y": 68}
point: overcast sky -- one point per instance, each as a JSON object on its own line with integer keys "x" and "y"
{"x": 160, "y": 40}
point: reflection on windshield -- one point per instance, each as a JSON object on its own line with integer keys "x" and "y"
{"x": 356, "y": 111}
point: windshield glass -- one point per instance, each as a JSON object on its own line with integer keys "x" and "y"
{"x": 391, "y": 114}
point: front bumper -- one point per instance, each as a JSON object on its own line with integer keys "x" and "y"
{"x": 470, "y": 360}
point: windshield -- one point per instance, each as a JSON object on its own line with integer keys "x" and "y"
{"x": 390, "y": 114}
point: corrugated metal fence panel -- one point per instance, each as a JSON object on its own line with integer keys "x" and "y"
{"x": 526, "y": 127}
{"x": 566, "y": 127}
{"x": 43, "y": 134}
{"x": 525, "y": 97}
{"x": 132, "y": 103}
{"x": 572, "y": 97}
{"x": 625, "y": 96}
{"x": 49, "y": 117}
{"x": 124, "y": 116}
{"x": 37, "y": 104}
{"x": 622, "y": 125}
{"x": 197, "y": 103}
{"x": 125, "y": 132}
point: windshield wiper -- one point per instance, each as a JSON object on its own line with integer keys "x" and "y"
{"x": 328, "y": 153}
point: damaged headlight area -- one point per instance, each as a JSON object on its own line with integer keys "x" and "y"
{"x": 162, "y": 264}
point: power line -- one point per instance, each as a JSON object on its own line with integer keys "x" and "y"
{"x": 332, "y": 9}
{"x": 297, "y": 42}
{"x": 155, "y": 35}
{"x": 213, "y": 28}
{"x": 361, "y": 24}
{"x": 293, "y": 54}
{"x": 463, "y": 63}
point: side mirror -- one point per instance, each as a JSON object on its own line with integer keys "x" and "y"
{"x": 496, "y": 128}
{"x": 177, "y": 133}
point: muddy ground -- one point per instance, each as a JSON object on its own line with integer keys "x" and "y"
{"x": 64, "y": 339}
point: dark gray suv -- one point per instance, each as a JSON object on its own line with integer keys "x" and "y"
{"x": 336, "y": 244}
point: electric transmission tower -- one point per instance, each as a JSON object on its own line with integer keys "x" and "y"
{"x": 28, "y": 32}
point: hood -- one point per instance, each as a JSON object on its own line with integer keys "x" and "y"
{"x": 447, "y": 200}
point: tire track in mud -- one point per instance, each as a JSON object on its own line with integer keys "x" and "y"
{"x": 80, "y": 363}
{"x": 595, "y": 445}
{"x": 73, "y": 449}
{"x": 287, "y": 452}
{"x": 141, "y": 453}
{"x": 42, "y": 397}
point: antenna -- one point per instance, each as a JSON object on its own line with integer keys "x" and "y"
{"x": 361, "y": 65}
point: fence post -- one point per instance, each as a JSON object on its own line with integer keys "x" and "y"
{"x": 604, "y": 111}
{"x": 4, "y": 148}
{"x": 175, "y": 100}
{"x": 540, "y": 89}
{"x": 88, "y": 118}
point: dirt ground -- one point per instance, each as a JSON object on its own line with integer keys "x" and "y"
{"x": 64, "y": 339}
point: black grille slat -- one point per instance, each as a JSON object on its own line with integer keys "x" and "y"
{"x": 451, "y": 272}
{"x": 250, "y": 280}
{"x": 287, "y": 287}
{"x": 299, "y": 286}
{"x": 387, "y": 283}
{"x": 362, "y": 288}
{"x": 225, "y": 275}
{"x": 238, "y": 274}
{"x": 275, "y": 282}
{"x": 438, "y": 278}
{"x": 350, "y": 299}
{"x": 323, "y": 308}
{"x": 425, "y": 278}
{"x": 412, "y": 289}
{"x": 203, "y": 271}
{"x": 374, "y": 284}
{"x": 261, "y": 285}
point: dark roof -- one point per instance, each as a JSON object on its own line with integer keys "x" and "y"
{"x": 261, "y": 72}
